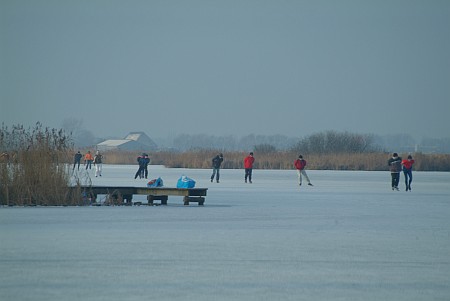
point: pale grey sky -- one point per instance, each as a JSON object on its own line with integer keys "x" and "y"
{"x": 227, "y": 67}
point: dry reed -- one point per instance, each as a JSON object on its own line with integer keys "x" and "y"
{"x": 32, "y": 168}
{"x": 376, "y": 161}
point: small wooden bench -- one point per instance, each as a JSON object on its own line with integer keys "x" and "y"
{"x": 124, "y": 195}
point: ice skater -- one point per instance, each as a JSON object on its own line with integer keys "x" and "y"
{"x": 248, "y": 166}
{"x": 140, "y": 171}
{"x": 216, "y": 162}
{"x": 142, "y": 163}
{"x": 98, "y": 161}
{"x": 300, "y": 165}
{"x": 146, "y": 163}
{"x": 395, "y": 166}
{"x": 88, "y": 160}
{"x": 77, "y": 160}
{"x": 407, "y": 171}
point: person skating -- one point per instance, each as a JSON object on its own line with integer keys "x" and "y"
{"x": 143, "y": 161}
{"x": 77, "y": 160}
{"x": 395, "y": 166}
{"x": 407, "y": 171}
{"x": 300, "y": 165}
{"x": 216, "y": 162}
{"x": 146, "y": 163}
{"x": 248, "y": 166}
{"x": 140, "y": 171}
{"x": 98, "y": 161}
{"x": 88, "y": 159}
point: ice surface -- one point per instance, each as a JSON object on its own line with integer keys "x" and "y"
{"x": 350, "y": 237}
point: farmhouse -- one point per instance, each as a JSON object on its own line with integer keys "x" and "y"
{"x": 134, "y": 141}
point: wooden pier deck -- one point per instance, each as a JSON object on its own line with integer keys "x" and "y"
{"x": 123, "y": 195}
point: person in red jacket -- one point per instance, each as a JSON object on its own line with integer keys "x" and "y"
{"x": 248, "y": 165}
{"x": 300, "y": 164}
{"x": 407, "y": 171}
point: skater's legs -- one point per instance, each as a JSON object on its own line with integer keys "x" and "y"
{"x": 248, "y": 174}
{"x": 98, "y": 169}
{"x": 306, "y": 176}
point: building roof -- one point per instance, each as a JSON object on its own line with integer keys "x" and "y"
{"x": 113, "y": 143}
{"x": 133, "y": 141}
{"x": 142, "y": 138}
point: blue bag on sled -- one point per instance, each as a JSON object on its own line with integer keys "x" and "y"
{"x": 155, "y": 183}
{"x": 185, "y": 182}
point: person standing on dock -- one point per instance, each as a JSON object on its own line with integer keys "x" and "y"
{"x": 248, "y": 166}
{"x": 98, "y": 161}
{"x": 216, "y": 162}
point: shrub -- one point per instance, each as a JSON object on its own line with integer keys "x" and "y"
{"x": 33, "y": 169}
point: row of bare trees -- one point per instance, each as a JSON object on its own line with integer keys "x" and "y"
{"x": 332, "y": 142}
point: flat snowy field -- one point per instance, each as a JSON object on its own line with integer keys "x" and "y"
{"x": 350, "y": 237}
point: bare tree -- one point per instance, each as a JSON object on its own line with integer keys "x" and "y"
{"x": 335, "y": 142}
{"x": 81, "y": 137}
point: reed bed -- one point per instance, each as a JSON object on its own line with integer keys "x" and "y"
{"x": 376, "y": 161}
{"x": 32, "y": 168}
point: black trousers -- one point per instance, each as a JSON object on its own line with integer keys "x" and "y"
{"x": 140, "y": 172}
{"x": 216, "y": 173}
{"x": 248, "y": 174}
{"x": 395, "y": 178}
{"x": 408, "y": 177}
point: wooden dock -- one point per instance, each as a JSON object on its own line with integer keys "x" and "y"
{"x": 124, "y": 195}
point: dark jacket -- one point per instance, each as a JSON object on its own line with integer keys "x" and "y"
{"x": 77, "y": 157}
{"x": 217, "y": 161}
{"x": 145, "y": 161}
{"x": 395, "y": 164}
{"x": 98, "y": 159}
{"x": 141, "y": 161}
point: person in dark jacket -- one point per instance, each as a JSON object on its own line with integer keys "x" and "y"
{"x": 216, "y": 162}
{"x": 146, "y": 163}
{"x": 77, "y": 160}
{"x": 395, "y": 166}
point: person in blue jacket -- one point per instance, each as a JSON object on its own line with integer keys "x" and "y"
{"x": 146, "y": 162}
{"x": 141, "y": 163}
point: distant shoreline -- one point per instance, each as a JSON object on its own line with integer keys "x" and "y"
{"x": 376, "y": 161}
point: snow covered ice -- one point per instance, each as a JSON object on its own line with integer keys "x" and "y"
{"x": 350, "y": 237}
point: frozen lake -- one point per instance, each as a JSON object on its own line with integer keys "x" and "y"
{"x": 350, "y": 237}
